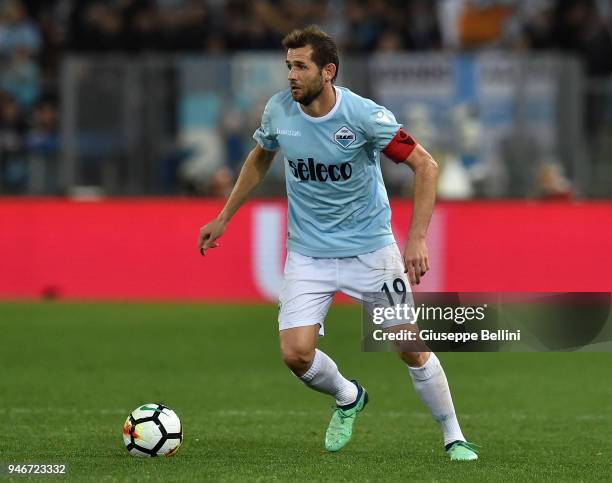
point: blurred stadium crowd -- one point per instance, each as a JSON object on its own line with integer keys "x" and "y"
{"x": 35, "y": 37}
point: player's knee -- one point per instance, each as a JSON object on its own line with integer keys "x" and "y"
{"x": 414, "y": 359}
{"x": 297, "y": 359}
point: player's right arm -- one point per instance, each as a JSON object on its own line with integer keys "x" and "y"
{"x": 253, "y": 171}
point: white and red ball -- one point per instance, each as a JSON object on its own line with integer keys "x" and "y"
{"x": 152, "y": 430}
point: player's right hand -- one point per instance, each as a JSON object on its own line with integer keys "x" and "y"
{"x": 209, "y": 234}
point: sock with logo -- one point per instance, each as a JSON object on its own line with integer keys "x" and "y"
{"x": 432, "y": 387}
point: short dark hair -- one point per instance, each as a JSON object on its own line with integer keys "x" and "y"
{"x": 324, "y": 49}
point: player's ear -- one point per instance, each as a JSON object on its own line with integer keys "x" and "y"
{"x": 329, "y": 71}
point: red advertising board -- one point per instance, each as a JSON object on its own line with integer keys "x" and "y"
{"x": 146, "y": 249}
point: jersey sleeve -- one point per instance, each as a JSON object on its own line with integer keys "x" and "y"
{"x": 380, "y": 126}
{"x": 264, "y": 134}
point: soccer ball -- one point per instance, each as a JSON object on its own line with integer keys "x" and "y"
{"x": 152, "y": 430}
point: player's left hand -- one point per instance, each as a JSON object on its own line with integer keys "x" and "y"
{"x": 416, "y": 259}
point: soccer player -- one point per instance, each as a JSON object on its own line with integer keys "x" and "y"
{"x": 339, "y": 224}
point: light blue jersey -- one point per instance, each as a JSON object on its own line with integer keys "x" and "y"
{"x": 338, "y": 204}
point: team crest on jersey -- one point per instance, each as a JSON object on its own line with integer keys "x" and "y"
{"x": 344, "y": 137}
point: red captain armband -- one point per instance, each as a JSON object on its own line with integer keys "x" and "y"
{"x": 400, "y": 146}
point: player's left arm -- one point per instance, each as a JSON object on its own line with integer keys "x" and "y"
{"x": 404, "y": 149}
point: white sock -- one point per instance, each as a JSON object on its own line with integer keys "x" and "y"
{"x": 323, "y": 376}
{"x": 431, "y": 385}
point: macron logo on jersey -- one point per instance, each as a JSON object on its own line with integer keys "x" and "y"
{"x": 288, "y": 132}
{"x": 383, "y": 118}
{"x": 344, "y": 137}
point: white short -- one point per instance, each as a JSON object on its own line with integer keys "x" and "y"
{"x": 310, "y": 283}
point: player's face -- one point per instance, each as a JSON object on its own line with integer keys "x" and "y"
{"x": 305, "y": 78}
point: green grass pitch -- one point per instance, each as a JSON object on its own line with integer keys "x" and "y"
{"x": 72, "y": 372}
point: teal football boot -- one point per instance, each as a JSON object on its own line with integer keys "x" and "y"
{"x": 340, "y": 427}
